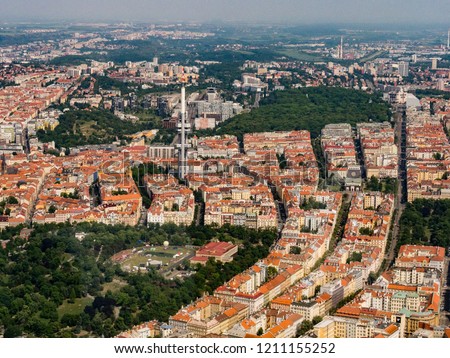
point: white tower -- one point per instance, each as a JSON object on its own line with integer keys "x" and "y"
{"x": 183, "y": 129}
{"x": 341, "y": 55}
{"x": 448, "y": 40}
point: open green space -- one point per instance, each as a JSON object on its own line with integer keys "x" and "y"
{"x": 96, "y": 126}
{"x": 300, "y": 55}
{"x": 114, "y": 286}
{"x": 54, "y": 285}
{"x": 77, "y": 307}
{"x": 168, "y": 256}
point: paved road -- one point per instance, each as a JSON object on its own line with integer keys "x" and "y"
{"x": 257, "y": 99}
{"x": 359, "y": 154}
{"x": 99, "y": 253}
{"x": 399, "y": 201}
{"x": 166, "y": 270}
{"x": 200, "y": 213}
{"x": 445, "y": 295}
{"x": 143, "y": 217}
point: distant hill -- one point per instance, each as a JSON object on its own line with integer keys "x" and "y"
{"x": 308, "y": 108}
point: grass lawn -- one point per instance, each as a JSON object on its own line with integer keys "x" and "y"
{"x": 159, "y": 253}
{"x": 113, "y": 286}
{"x": 147, "y": 116}
{"x": 300, "y": 55}
{"x": 335, "y": 188}
{"x": 74, "y": 308}
{"x": 86, "y": 128}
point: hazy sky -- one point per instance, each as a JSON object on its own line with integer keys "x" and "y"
{"x": 299, "y": 11}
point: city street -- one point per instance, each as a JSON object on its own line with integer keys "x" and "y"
{"x": 400, "y": 198}
{"x": 445, "y": 295}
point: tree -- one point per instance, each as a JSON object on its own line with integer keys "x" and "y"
{"x": 52, "y": 209}
{"x": 92, "y": 126}
{"x": 366, "y": 231}
{"x": 48, "y": 311}
{"x": 305, "y": 327}
{"x": 72, "y": 295}
{"x": 311, "y": 203}
{"x": 372, "y": 278}
{"x": 12, "y": 200}
{"x": 308, "y": 108}
{"x": 389, "y": 186}
{"x": 425, "y": 222}
{"x": 317, "y": 290}
{"x": 70, "y": 320}
{"x": 13, "y": 331}
{"x": 355, "y": 257}
{"x": 271, "y": 272}
{"x": 295, "y": 250}
{"x": 373, "y": 184}
{"x": 260, "y": 331}
{"x": 55, "y": 268}
{"x": 119, "y": 192}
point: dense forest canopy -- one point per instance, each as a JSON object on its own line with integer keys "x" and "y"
{"x": 421, "y": 93}
{"x": 54, "y": 285}
{"x": 96, "y": 126}
{"x": 426, "y": 222}
{"x": 310, "y": 109}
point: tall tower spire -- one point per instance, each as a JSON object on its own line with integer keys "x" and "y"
{"x": 448, "y": 40}
{"x": 341, "y": 54}
{"x": 183, "y": 129}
